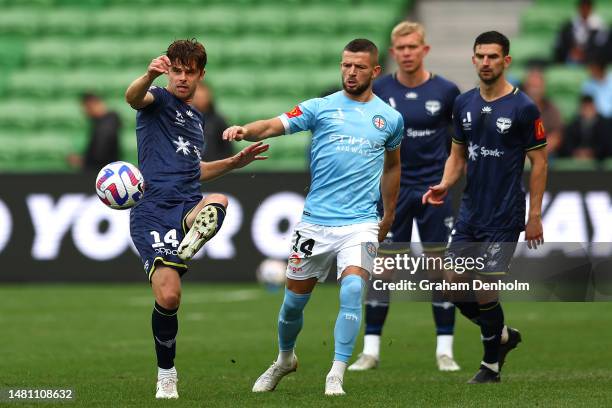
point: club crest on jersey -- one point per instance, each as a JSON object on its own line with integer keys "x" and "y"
{"x": 295, "y": 112}
{"x": 503, "y": 125}
{"x": 411, "y": 95}
{"x": 379, "y": 122}
{"x": 432, "y": 107}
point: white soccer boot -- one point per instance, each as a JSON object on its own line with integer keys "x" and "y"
{"x": 364, "y": 362}
{"x": 333, "y": 385}
{"x": 203, "y": 229}
{"x": 447, "y": 363}
{"x": 166, "y": 388}
{"x": 272, "y": 376}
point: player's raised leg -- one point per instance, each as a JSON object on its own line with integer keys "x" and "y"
{"x": 166, "y": 285}
{"x": 352, "y": 285}
{"x": 203, "y": 222}
{"x": 290, "y": 322}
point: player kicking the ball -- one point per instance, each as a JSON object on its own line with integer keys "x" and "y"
{"x": 173, "y": 221}
{"x": 355, "y": 140}
{"x": 496, "y": 126}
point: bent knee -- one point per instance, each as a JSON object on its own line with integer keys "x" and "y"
{"x": 169, "y": 298}
{"x": 351, "y": 286}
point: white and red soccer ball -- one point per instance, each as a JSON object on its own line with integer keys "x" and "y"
{"x": 119, "y": 185}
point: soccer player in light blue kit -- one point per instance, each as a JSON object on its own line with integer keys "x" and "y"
{"x": 355, "y": 159}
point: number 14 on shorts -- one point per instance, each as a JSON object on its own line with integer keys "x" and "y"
{"x": 169, "y": 238}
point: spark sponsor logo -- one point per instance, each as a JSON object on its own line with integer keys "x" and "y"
{"x": 182, "y": 146}
{"x": 412, "y": 95}
{"x": 486, "y": 109}
{"x": 415, "y": 133}
{"x": 475, "y": 151}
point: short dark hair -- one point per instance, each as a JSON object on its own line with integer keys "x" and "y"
{"x": 187, "y": 52}
{"x": 493, "y": 37}
{"x": 89, "y": 96}
{"x": 584, "y": 98}
{"x": 362, "y": 45}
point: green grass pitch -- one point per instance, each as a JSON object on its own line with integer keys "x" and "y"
{"x": 97, "y": 340}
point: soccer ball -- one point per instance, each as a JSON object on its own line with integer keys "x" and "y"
{"x": 119, "y": 185}
{"x": 271, "y": 273}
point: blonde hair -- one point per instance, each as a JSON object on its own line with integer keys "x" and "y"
{"x": 406, "y": 28}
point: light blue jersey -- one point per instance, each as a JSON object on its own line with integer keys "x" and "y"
{"x": 349, "y": 139}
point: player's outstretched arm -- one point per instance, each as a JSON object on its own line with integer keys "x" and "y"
{"x": 453, "y": 169}
{"x": 136, "y": 95}
{"x": 389, "y": 187}
{"x": 255, "y": 131}
{"x": 217, "y": 168}
{"x": 534, "y": 232}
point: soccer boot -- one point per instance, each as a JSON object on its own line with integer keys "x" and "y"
{"x": 364, "y": 362}
{"x": 485, "y": 375}
{"x": 166, "y": 388}
{"x": 204, "y": 228}
{"x": 446, "y": 363}
{"x": 514, "y": 338}
{"x": 272, "y": 376}
{"x": 333, "y": 385}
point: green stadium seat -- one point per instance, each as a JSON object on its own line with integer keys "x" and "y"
{"x": 545, "y": 19}
{"x": 264, "y": 58}
{"x": 240, "y": 110}
{"x": 607, "y": 164}
{"x": 529, "y": 47}
{"x": 574, "y": 165}
{"x": 565, "y": 79}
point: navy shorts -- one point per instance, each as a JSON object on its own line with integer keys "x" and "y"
{"x": 434, "y": 223}
{"x": 157, "y": 228}
{"x": 494, "y": 248}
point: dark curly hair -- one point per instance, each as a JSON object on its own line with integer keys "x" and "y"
{"x": 187, "y": 52}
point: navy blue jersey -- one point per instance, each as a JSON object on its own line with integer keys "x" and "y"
{"x": 170, "y": 142}
{"x": 497, "y": 136}
{"x": 427, "y": 112}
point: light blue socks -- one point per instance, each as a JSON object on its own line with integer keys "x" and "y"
{"x": 291, "y": 319}
{"x": 349, "y": 317}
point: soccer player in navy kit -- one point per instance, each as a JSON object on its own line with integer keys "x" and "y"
{"x": 425, "y": 101}
{"x": 496, "y": 126}
{"x": 172, "y": 222}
